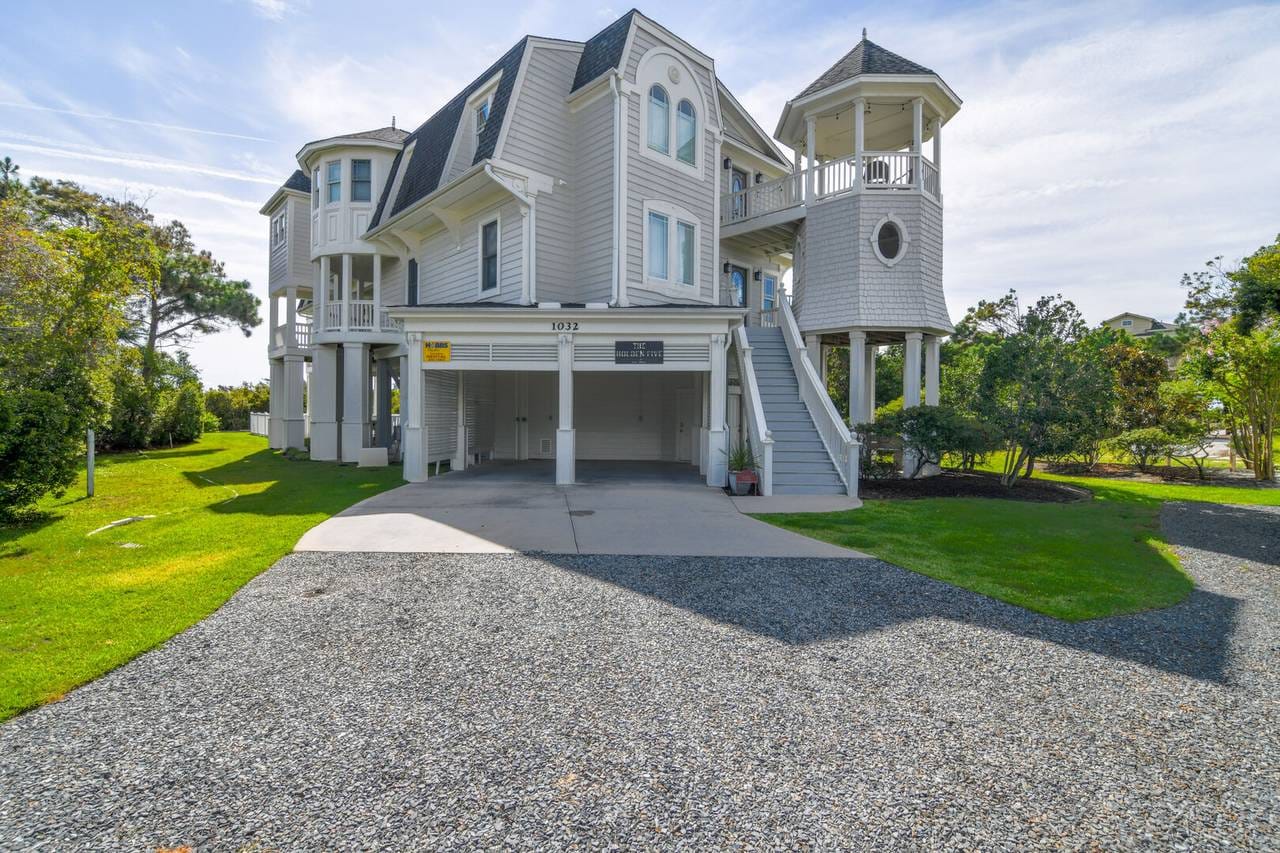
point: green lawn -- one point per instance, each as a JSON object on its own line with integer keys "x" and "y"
{"x": 1085, "y": 560}
{"x": 74, "y": 606}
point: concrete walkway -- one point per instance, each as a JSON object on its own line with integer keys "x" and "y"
{"x": 623, "y": 508}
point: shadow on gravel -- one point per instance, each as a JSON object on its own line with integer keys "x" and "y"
{"x": 800, "y": 601}
{"x": 1246, "y": 532}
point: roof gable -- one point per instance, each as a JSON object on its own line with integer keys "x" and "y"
{"x": 603, "y": 51}
{"x": 298, "y": 181}
{"x": 434, "y": 138}
{"x": 867, "y": 57}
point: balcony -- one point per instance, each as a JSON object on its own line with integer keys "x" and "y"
{"x": 281, "y": 338}
{"x": 360, "y": 315}
{"x": 783, "y": 199}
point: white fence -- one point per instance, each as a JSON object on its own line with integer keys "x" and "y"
{"x": 259, "y": 423}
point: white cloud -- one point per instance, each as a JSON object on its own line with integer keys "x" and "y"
{"x": 273, "y": 10}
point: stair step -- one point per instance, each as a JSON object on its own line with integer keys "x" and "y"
{"x": 807, "y": 478}
{"x": 785, "y": 489}
{"x": 786, "y": 455}
{"x": 822, "y": 468}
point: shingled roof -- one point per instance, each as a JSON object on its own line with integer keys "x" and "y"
{"x": 867, "y": 57}
{"x": 434, "y": 138}
{"x": 298, "y": 181}
{"x": 603, "y": 51}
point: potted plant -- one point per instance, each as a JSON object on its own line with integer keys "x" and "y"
{"x": 742, "y": 468}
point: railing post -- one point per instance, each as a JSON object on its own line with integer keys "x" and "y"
{"x": 811, "y": 145}
{"x": 917, "y": 141}
{"x": 859, "y": 144}
{"x": 345, "y": 319}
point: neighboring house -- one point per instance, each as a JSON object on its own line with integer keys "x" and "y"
{"x": 580, "y": 256}
{"x": 1139, "y": 326}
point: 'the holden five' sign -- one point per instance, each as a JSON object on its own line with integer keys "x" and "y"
{"x": 637, "y": 352}
{"x": 436, "y": 351}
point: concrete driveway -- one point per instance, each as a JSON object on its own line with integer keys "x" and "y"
{"x": 616, "y": 508}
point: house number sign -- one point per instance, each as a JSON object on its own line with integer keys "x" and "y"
{"x": 637, "y": 352}
{"x": 564, "y": 325}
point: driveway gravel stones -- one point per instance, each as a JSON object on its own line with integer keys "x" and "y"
{"x": 399, "y": 701}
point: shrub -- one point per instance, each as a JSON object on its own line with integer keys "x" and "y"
{"x": 179, "y": 415}
{"x": 1144, "y": 444}
{"x": 40, "y": 448}
{"x": 930, "y": 432}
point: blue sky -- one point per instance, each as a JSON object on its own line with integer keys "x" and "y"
{"x": 1103, "y": 149}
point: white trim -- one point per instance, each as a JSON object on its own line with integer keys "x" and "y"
{"x": 687, "y": 88}
{"x": 620, "y": 201}
{"x": 517, "y": 87}
{"x": 480, "y": 289}
{"x": 902, "y": 233}
{"x": 754, "y": 126}
{"x": 671, "y": 284}
{"x": 641, "y": 21}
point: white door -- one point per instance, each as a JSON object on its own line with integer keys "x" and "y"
{"x": 684, "y": 424}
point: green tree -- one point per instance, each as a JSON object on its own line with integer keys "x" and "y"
{"x": 1243, "y": 370}
{"x": 190, "y": 295}
{"x": 1138, "y": 373}
{"x": 1249, "y": 291}
{"x": 1043, "y": 388}
{"x": 62, "y": 294}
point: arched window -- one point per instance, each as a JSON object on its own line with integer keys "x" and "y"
{"x": 659, "y": 119}
{"x": 686, "y": 131}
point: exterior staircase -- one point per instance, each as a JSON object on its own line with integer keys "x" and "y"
{"x": 801, "y": 463}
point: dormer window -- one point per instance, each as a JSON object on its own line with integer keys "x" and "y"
{"x": 482, "y": 117}
{"x": 361, "y": 180}
{"x": 659, "y": 119}
{"x": 278, "y": 229}
{"x": 333, "y": 178}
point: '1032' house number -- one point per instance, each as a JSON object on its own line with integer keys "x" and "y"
{"x": 564, "y": 325}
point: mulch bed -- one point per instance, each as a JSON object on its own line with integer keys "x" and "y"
{"x": 953, "y": 484}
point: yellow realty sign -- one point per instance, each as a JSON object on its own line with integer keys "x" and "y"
{"x": 436, "y": 351}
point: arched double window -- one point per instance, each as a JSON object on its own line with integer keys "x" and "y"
{"x": 659, "y": 119}
{"x": 686, "y": 131}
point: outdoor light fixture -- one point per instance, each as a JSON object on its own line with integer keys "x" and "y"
{"x": 755, "y": 276}
{"x": 728, "y": 164}
{"x": 759, "y": 177}
{"x": 726, "y": 267}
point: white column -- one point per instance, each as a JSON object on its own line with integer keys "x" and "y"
{"x": 937, "y": 144}
{"x": 291, "y": 316}
{"x": 869, "y": 374}
{"x": 413, "y": 423}
{"x": 355, "y": 400}
{"x": 911, "y": 371}
{"x": 859, "y": 139}
{"x": 377, "y": 293}
{"x": 811, "y": 154}
{"x": 565, "y": 451}
{"x": 322, "y": 401}
{"x": 460, "y": 458}
{"x": 382, "y": 416}
{"x": 346, "y": 292}
{"x": 717, "y": 394}
{"x": 917, "y": 138}
{"x": 275, "y": 405}
{"x": 321, "y": 297}
{"x": 857, "y": 377}
{"x": 796, "y": 165}
{"x": 932, "y": 355}
{"x": 273, "y": 312}
{"x": 295, "y": 367}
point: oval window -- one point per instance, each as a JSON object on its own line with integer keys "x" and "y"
{"x": 889, "y": 241}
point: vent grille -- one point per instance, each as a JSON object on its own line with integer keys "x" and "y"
{"x": 546, "y": 446}
{"x": 470, "y": 352}
{"x": 526, "y": 352}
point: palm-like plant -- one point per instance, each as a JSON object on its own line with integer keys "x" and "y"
{"x": 9, "y": 170}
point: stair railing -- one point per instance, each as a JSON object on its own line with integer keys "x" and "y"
{"x": 842, "y": 445}
{"x": 757, "y": 429}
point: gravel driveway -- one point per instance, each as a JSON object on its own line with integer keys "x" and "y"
{"x": 359, "y": 701}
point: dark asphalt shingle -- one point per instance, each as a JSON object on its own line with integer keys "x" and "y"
{"x": 602, "y": 51}
{"x": 298, "y": 181}
{"x": 867, "y": 57}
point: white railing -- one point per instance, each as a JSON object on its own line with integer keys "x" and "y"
{"x": 757, "y": 429}
{"x": 387, "y": 322}
{"x": 842, "y": 446}
{"x": 888, "y": 170}
{"x": 932, "y": 183}
{"x": 834, "y": 177}
{"x": 881, "y": 170}
{"x": 759, "y": 199}
{"x": 360, "y": 314}
{"x": 768, "y": 317}
{"x": 302, "y": 334}
{"x": 333, "y": 316}
{"x": 259, "y": 423}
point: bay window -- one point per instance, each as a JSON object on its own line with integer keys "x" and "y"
{"x": 361, "y": 180}
{"x": 334, "y": 179}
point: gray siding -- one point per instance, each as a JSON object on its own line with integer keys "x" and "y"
{"x": 392, "y": 281}
{"x": 842, "y": 282}
{"x": 450, "y": 272}
{"x": 594, "y": 217}
{"x": 648, "y": 179}
{"x": 540, "y": 138}
{"x": 300, "y": 241}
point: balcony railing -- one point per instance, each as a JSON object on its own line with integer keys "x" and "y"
{"x": 301, "y": 335}
{"x": 360, "y": 317}
{"x": 881, "y": 171}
